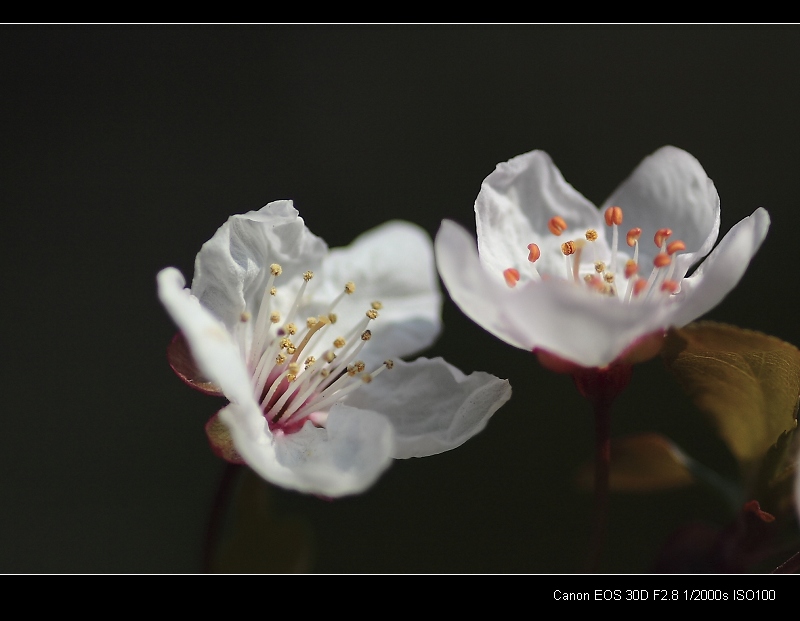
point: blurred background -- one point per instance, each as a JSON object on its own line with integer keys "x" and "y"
{"x": 125, "y": 147}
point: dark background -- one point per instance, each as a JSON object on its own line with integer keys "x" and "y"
{"x": 124, "y": 148}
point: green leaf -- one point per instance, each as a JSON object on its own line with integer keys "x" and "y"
{"x": 746, "y": 382}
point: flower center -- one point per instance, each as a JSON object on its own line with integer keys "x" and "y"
{"x": 583, "y": 267}
{"x": 290, "y": 384}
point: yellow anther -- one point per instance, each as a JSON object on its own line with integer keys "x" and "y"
{"x": 273, "y": 291}
{"x": 533, "y": 253}
{"x": 285, "y": 343}
{"x": 557, "y": 225}
{"x": 568, "y": 248}
{"x": 294, "y": 367}
{"x": 613, "y": 215}
{"x": 325, "y": 372}
{"x": 676, "y": 246}
{"x": 329, "y": 356}
{"x": 377, "y": 305}
{"x": 245, "y": 317}
{"x": 311, "y": 321}
{"x": 308, "y": 275}
{"x": 366, "y": 378}
{"x": 349, "y": 287}
{"x": 274, "y": 316}
{"x": 280, "y": 359}
{"x": 275, "y": 269}
{"x": 332, "y": 317}
{"x": 599, "y": 267}
{"x": 309, "y": 361}
{"x": 389, "y": 363}
{"x": 291, "y": 377}
{"x": 662, "y": 259}
{"x": 609, "y": 277}
{"x": 366, "y": 335}
{"x": 339, "y": 343}
{"x": 591, "y": 235}
{"x": 290, "y": 328}
{"x": 661, "y": 235}
{"x": 512, "y": 276}
{"x": 291, "y": 349}
{"x": 372, "y": 313}
{"x": 631, "y": 268}
{"x": 633, "y": 236}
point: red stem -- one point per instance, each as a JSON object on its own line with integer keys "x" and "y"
{"x": 601, "y": 387}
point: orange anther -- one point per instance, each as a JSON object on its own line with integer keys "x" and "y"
{"x": 631, "y": 268}
{"x": 639, "y": 286}
{"x": 676, "y": 246}
{"x": 533, "y": 253}
{"x": 568, "y": 248}
{"x": 670, "y": 286}
{"x": 591, "y": 235}
{"x": 512, "y": 276}
{"x": 633, "y": 236}
{"x": 662, "y": 259}
{"x": 661, "y": 235}
{"x": 613, "y": 216}
{"x": 557, "y": 225}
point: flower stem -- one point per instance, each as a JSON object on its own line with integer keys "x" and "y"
{"x": 216, "y": 520}
{"x": 600, "y": 387}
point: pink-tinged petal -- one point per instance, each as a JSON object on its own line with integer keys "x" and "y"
{"x": 211, "y": 346}
{"x": 232, "y": 268}
{"x": 182, "y": 362}
{"x": 722, "y": 269}
{"x": 670, "y": 189}
{"x": 432, "y": 405}
{"x": 514, "y": 206}
{"x": 343, "y": 458}
{"x": 393, "y": 264}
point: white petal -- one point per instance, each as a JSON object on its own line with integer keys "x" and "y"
{"x": 481, "y": 298}
{"x": 211, "y": 345}
{"x": 231, "y": 269}
{"x": 514, "y": 206}
{"x": 722, "y": 270}
{"x": 345, "y": 457}
{"x": 670, "y": 189}
{"x": 393, "y": 264}
{"x": 432, "y": 406}
{"x": 570, "y": 321}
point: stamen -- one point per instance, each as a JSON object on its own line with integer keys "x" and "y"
{"x": 591, "y": 235}
{"x": 557, "y": 225}
{"x": 533, "y": 253}
{"x": 662, "y": 259}
{"x": 259, "y": 337}
{"x": 639, "y": 286}
{"x": 613, "y": 215}
{"x": 631, "y": 268}
{"x": 568, "y": 248}
{"x": 599, "y": 267}
{"x": 633, "y": 236}
{"x": 661, "y": 236}
{"x": 670, "y": 286}
{"x": 512, "y": 276}
{"x": 676, "y": 246}
{"x": 377, "y": 305}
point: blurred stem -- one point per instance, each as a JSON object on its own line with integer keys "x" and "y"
{"x": 216, "y": 520}
{"x": 601, "y": 387}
